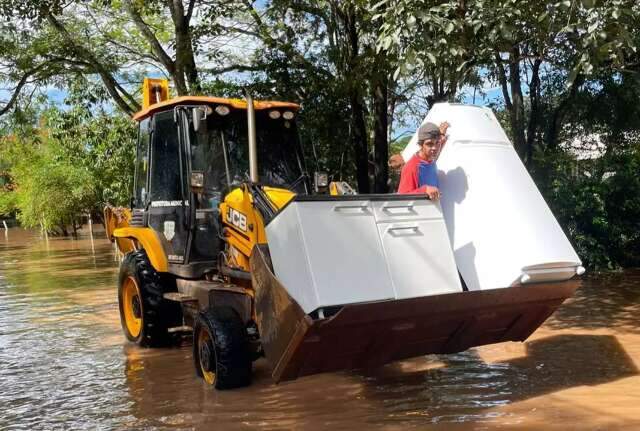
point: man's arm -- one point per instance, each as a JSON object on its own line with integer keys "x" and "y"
{"x": 443, "y": 137}
{"x": 431, "y": 191}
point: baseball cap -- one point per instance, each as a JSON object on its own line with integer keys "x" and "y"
{"x": 428, "y": 131}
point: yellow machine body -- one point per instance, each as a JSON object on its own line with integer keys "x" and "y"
{"x": 155, "y": 98}
{"x": 146, "y": 238}
{"x": 244, "y": 226}
{"x": 129, "y": 238}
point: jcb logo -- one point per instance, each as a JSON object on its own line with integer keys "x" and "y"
{"x": 237, "y": 219}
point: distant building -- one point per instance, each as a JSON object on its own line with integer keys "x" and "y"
{"x": 586, "y": 147}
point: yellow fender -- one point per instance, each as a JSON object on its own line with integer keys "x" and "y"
{"x": 148, "y": 240}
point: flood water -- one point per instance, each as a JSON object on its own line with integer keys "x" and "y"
{"x": 64, "y": 364}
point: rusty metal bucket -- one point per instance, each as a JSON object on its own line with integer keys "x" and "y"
{"x": 367, "y": 335}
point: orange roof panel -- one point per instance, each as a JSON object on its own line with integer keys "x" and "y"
{"x": 205, "y": 100}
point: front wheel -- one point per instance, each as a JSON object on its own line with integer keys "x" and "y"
{"x": 220, "y": 349}
{"x": 144, "y": 313}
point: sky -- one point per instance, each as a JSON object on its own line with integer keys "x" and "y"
{"x": 491, "y": 94}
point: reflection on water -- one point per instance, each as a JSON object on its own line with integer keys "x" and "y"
{"x": 64, "y": 364}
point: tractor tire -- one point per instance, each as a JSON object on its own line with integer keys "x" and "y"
{"x": 221, "y": 349}
{"x": 144, "y": 313}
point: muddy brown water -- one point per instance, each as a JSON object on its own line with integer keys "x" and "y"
{"x": 64, "y": 364}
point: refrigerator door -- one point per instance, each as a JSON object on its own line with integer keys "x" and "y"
{"x": 501, "y": 229}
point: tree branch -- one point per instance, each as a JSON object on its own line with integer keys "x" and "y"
{"x": 264, "y": 34}
{"x": 190, "y": 8}
{"x": 120, "y": 96}
{"x": 16, "y": 91}
{"x": 233, "y": 68}
{"x": 156, "y": 47}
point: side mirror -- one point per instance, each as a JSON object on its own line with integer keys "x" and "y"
{"x": 199, "y": 115}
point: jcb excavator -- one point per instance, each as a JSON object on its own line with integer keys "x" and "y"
{"x": 226, "y": 239}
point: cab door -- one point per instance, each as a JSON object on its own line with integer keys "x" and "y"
{"x": 167, "y": 204}
{"x": 141, "y": 178}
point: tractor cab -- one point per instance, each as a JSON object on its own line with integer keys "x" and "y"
{"x": 191, "y": 152}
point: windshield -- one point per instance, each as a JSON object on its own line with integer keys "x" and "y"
{"x": 220, "y": 150}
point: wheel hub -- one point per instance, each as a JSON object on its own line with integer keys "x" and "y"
{"x": 205, "y": 356}
{"x": 135, "y": 305}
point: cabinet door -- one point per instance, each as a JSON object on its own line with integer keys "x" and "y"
{"x": 344, "y": 251}
{"x": 406, "y": 210}
{"x": 419, "y": 258}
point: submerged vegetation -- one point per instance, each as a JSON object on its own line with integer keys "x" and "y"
{"x": 562, "y": 76}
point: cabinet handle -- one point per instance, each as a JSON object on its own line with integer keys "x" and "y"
{"x": 388, "y": 208}
{"x": 401, "y": 228}
{"x": 351, "y": 207}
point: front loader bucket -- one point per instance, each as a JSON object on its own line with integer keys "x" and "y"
{"x": 367, "y": 335}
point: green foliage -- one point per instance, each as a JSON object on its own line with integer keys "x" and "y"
{"x": 582, "y": 35}
{"x": 598, "y": 204}
{"x": 73, "y": 164}
{"x": 49, "y": 190}
{"x": 8, "y": 204}
{"x": 103, "y": 144}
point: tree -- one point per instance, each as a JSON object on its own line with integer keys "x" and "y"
{"x": 74, "y": 163}
{"x": 333, "y": 41}
{"x": 517, "y": 41}
{"x": 47, "y": 42}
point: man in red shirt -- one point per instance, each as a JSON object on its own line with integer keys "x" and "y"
{"x": 420, "y": 173}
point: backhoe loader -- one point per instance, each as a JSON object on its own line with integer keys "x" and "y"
{"x": 225, "y": 239}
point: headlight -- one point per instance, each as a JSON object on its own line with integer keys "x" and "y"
{"x": 321, "y": 179}
{"x": 288, "y": 115}
{"x": 274, "y": 115}
{"x": 222, "y": 110}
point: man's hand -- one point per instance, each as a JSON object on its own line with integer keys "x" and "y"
{"x": 443, "y": 137}
{"x": 432, "y": 192}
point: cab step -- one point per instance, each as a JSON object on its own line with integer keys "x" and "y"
{"x": 183, "y": 328}
{"x": 179, "y": 297}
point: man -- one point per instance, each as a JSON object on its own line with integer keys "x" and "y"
{"x": 420, "y": 173}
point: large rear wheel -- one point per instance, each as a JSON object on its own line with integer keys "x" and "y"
{"x": 144, "y": 313}
{"x": 220, "y": 349}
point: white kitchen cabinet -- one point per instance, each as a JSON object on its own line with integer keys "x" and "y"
{"x": 344, "y": 252}
{"x": 337, "y": 251}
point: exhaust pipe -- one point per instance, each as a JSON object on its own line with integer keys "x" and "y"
{"x": 253, "y": 148}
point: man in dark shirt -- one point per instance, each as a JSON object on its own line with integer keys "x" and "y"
{"x": 420, "y": 173}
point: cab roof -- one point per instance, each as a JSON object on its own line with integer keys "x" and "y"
{"x": 206, "y": 100}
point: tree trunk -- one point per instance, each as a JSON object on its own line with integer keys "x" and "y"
{"x": 534, "y": 97}
{"x": 63, "y": 228}
{"x": 359, "y": 142}
{"x": 186, "y": 71}
{"x": 354, "y": 83}
{"x": 380, "y": 140}
{"x": 517, "y": 103}
{"x": 558, "y": 114}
